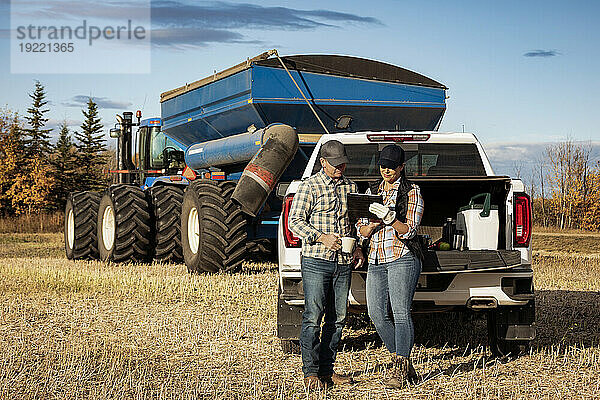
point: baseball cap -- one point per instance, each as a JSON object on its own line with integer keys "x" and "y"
{"x": 334, "y": 152}
{"x": 391, "y": 156}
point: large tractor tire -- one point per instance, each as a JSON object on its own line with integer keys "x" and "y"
{"x": 213, "y": 229}
{"x": 166, "y": 213}
{"x": 124, "y": 232}
{"x": 81, "y": 218}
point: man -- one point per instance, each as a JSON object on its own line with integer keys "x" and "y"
{"x": 319, "y": 216}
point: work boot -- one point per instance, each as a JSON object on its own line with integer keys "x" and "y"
{"x": 336, "y": 380}
{"x": 401, "y": 373}
{"x": 412, "y": 374}
{"x": 313, "y": 383}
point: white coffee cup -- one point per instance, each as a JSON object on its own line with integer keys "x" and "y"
{"x": 348, "y": 244}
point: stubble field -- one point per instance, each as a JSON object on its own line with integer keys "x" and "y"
{"x": 95, "y": 330}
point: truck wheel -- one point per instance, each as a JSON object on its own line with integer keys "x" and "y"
{"x": 213, "y": 229}
{"x": 81, "y": 217}
{"x": 124, "y": 225}
{"x": 507, "y": 323}
{"x": 166, "y": 211}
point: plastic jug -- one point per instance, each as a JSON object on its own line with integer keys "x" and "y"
{"x": 479, "y": 223}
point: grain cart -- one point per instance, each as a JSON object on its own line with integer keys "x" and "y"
{"x": 230, "y": 129}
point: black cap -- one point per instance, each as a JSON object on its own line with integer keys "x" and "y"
{"x": 391, "y": 156}
{"x": 334, "y": 152}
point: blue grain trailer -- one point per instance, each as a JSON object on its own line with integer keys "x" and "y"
{"x": 175, "y": 199}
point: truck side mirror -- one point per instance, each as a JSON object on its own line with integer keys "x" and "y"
{"x": 281, "y": 190}
{"x": 115, "y": 132}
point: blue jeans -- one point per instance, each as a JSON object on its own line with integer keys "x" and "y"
{"x": 391, "y": 287}
{"x": 326, "y": 285}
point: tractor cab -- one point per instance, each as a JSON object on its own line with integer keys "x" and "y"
{"x": 154, "y": 152}
{"x": 146, "y": 153}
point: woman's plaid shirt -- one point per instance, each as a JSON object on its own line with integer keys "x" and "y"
{"x": 320, "y": 206}
{"x": 385, "y": 241}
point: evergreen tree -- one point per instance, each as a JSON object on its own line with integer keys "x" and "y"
{"x": 64, "y": 161}
{"x": 91, "y": 146}
{"x": 37, "y": 139}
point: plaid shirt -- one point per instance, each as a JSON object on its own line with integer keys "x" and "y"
{"x": 385, "y": 241}
{"x": 320, "y": 206}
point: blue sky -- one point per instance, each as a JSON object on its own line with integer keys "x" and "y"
{"x": 519, "y": 72}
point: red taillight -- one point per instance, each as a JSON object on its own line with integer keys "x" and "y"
{"x": 522, "y": 220}
{"x": 290, "y": 239}
{"x": 386, "y": 137}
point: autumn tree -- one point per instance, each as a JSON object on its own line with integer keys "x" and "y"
{"x": 11, "y": 156}
{"x": 32, "y": 188}
{"x": 591, "y": 216}
{"x": 572, "y": 183}
{"x": 559, "y": 157}
{"x": 540, "y": 177}
{"x": 91, "y": 146}
{"x": 32, "y": 184}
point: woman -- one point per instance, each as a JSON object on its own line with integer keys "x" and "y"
{"x": 394, "y": 260}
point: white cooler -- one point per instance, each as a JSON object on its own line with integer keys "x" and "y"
{"x": 479, "y": 223}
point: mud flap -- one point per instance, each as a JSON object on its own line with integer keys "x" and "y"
{"x": 289, "y": 319}
{"x": 515, "y": 323}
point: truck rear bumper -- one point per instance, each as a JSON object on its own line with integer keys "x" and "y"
{"x": 477, "y": 290}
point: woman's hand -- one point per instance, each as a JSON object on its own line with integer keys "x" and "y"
{"x": 367, "y": 230}
{"x": 358, "y": 258}
{"x": 387, "y": 216}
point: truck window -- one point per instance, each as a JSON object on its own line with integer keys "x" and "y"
{"x": 450, "y": 160}
{"x": 422, "y": 159}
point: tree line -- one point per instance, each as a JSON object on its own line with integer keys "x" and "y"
{"x": 565, "y": 187}
{"x": 36, "y": 175}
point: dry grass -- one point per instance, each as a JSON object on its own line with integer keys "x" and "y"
{"x": 32, "y": 245}
{"x": 556, "y": 231}
{"x": 570, "y": 243}
{"x": 94, "y": 330}
{"x": 33, "y": 223}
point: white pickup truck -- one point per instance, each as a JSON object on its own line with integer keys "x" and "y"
{"x": 450, "y": 169}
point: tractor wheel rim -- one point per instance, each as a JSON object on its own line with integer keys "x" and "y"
{"x": 108, "y": 228}
{"x": 193, "y": 230}
{"x": 70, "y": 229}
